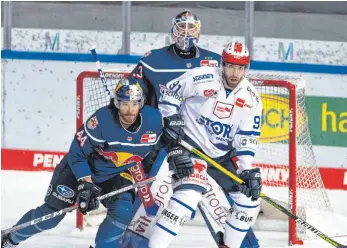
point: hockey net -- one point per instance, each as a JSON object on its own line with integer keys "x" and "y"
{"x": 285, "y": 154}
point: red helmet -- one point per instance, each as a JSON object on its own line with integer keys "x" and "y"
{"x": 236, "y": 53}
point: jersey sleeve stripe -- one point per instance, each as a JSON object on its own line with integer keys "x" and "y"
{"x": 243, "y": 153}
{"x": 90, "y": 136}
{"x": 131, "y": 144}
{"x": 245, "y": 206}
{"x": 162, "y": 70}
{"x": 183, "y": 204}
{"x": 166, "y": 229}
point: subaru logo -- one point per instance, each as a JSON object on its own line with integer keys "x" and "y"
{"x": 65, "y": 191}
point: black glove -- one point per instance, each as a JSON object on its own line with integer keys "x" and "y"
{"x": 173, "y": 130}
{"x": 179, "y": 160}
{"x": 252, "y": 185}
{"x": 86, "y": 198}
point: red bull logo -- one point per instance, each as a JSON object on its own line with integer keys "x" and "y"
{"x": 120, "y": 158}
{"x": 137, "y": 173}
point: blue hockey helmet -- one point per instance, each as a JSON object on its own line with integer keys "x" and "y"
{"x": 185, "y": 30}
{"x": 128, "y": 92}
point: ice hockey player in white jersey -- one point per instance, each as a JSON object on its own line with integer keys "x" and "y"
{"x": 219, "y": 112}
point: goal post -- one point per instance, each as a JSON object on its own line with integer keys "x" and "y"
{"x": 285, "y": 153}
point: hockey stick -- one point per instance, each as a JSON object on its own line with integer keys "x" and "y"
{"x": 263, "y": 196}
{"x": 70, "y": 209}
{"x": 98, "y": 66}
{"x": 149, "y": 204}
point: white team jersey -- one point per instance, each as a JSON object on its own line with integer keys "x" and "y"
{"x": 215, "y": 121}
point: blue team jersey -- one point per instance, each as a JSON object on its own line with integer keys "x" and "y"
{"x": 102, "y": 146}
{"x": 159, "y": 66}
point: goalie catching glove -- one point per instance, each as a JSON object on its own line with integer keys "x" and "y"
{"x": 86, "y": 198}
{"x": 180, "y": 162}
{"x": 252, "y": 183}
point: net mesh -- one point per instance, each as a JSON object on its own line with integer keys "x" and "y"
{"x": 273, "y": 150}
{"x": 273, "y": 154}
{"x": 94, "y": 94}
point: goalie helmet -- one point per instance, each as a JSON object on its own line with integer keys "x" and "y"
{"x": 236, "y": 53}
{"x": 128, "y": 92}
{"x": 185, "y": 30}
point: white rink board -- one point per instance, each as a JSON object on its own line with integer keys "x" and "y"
{"x": 52, "y": 119}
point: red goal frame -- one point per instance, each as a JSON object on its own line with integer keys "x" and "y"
{"x": 292, "y": 89}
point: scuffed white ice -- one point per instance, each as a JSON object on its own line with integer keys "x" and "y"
{"x": 21, "y": 191}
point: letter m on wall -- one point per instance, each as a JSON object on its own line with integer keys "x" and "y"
{"x": 283, "y": 54}
{"x": 49, "y": 44}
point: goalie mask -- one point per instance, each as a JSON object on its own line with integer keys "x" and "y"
{"x": 185, "y": 30}
{"x": 125, "y": 92}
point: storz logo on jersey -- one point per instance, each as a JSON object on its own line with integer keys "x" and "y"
{"x": 215, "y": 127}
{"x": 201, "y": 77}
{"x": 65, "y": 191}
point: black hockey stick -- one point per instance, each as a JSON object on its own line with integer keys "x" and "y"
{"x": 69, "y": 209}
{"x": 263, "y": 196}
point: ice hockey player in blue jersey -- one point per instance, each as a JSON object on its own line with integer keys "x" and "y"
{"x": 160, "y": 66}
{"x": 123, "y": 132}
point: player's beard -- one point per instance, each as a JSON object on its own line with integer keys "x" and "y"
{"x": 127, "y": 119}
{"x": 231, "y": 82}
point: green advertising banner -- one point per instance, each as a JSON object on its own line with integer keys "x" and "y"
{"x": 327, "y": 120}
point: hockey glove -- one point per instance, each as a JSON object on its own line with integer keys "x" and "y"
{"x": 86, "y": 198}
{"x": 180, "y": 162}
{"x": 173, "y": 130}
{"x": 252, "y": 185}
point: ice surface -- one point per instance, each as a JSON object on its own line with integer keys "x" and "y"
{"x": 21, "y": 191}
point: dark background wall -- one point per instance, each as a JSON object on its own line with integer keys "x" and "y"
{"x": 295, "y": 20}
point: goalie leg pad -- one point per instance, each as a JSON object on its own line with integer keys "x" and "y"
{"x": 119, "y": 213}
{"x": 182, "y": 205}
{"x": 29, "y": 231}
{"x": 242, "y": 215}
